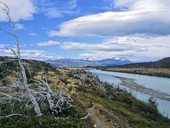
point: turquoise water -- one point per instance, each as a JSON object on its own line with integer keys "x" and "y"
{"x": 156, "y": 83}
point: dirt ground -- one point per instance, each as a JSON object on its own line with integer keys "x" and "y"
{"x": 100, "y": 117}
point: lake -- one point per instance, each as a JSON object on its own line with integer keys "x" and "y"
{"x": 157, "y": 84}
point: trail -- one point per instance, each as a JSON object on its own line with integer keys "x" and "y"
{"x": 101, "y": 117}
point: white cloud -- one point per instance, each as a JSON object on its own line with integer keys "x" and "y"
{"x": 152, "y": 5}
{"x": 36, "y": 54}
{"x": 3, "y": 46}
{"x": 19, "y": 26}
{"x": 98, "y": 55}
{"x": 33, "y": 53}
{"x": 136, "y": 47}
{"x": 5, "y": 50}
{"x": 138, "y": 16}
{"x": 48, "y": 43}
{"x": 72, "y": 4}
{"x": 27, "y": 54}
{"x": 107, "y": 45}
{"x": 52, "y": 13}
{"x": 19, "y": 9}
{"x": 56, "y": 9}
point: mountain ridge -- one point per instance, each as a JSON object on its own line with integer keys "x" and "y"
{"x": 87, "y": 62}
{"x": 162, "y": 63}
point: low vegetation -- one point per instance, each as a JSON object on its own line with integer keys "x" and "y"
{"x": 93, "y": 103}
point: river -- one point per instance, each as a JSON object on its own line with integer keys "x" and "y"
{"x": 141, "y": 86}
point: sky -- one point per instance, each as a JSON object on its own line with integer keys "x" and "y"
{"x": 88, "y": 29}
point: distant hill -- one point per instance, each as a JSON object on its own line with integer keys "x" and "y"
{"x": 33, "y": 64}
{"x": 165, "y": 60}
{"x": 163, "y": 63}
{"x": 81, "y": 62}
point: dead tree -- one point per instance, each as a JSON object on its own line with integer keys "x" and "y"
{"x": 6, "y": 10}
{"x": 57, "y": 101}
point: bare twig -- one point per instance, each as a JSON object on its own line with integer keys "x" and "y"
{"x": 6, "y": 10}
{"x": 11, "y": 115}
{"x": 86, "y": 117}
{"x": 11, "y": 97}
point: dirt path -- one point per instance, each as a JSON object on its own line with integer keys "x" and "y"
{"x": 101, "y": 117}
{"x": 98, "y": 118}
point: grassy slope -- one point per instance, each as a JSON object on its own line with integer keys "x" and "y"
{"x": 130, "y": 110}
{"x": 163, "y": 63}
{"x": 124, "y": 109}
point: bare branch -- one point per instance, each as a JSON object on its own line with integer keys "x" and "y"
{"x": 11, "y": 115}
{"x": 86, "y": 117}
{"x": 6, "y": 10}
{"x": 11, "y": 97}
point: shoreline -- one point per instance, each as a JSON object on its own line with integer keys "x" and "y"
{"x": 130, "y": 83}
{"x": 160, "y": 72}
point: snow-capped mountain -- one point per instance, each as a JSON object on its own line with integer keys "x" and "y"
{"x": 87, "y": 62}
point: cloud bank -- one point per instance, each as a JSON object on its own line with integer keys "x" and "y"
{"x": 136, "y": 47}
{"x": 19, "y": 9}
{"x": 134, "y": 16}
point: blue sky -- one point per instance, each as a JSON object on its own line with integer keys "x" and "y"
{"x": 88, "y": 29}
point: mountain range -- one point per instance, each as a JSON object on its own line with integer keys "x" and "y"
{"x": 83, "y": 62}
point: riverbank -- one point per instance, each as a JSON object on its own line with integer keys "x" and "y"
{"x": 160, "y": 72}
{"x": 130, "y": 83}
{"x": 141, "y": 86}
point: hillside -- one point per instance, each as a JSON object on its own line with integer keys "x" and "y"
{"x": 92, "y": 103}
{"x": 159, "y": 68}
{"x": 163, "y": 63}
